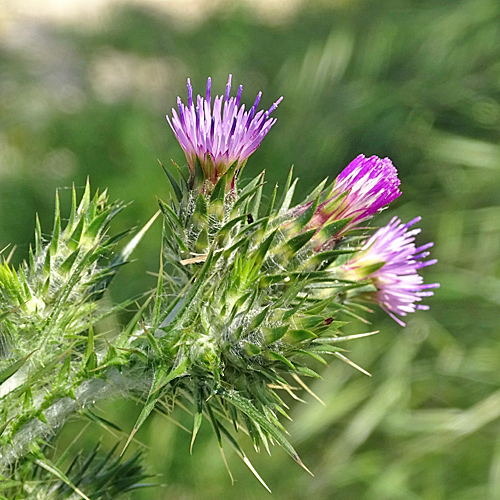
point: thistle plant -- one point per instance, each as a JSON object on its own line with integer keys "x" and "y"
{"x": 251, "y": 295}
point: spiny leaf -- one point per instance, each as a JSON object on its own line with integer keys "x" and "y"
{"x": 273, "y": 334}
{"x": 297, "y": 242}
{"x": 299, "y": 223}
{"x": 216, "y": 206}
{"x": 252, "y": 349}
{"x": 171, "y": 216}
{"x": 300, "y": 335}
{"x": 287, "y": 196}
{"x": 315, "y": 192}
{"x": 69, "y": 226}
{"x": 245, "y": 196}
{"x": 175, "y": 313}
{"x": 159, "y": 290}
{"x": 74, "y": 239}
{"x": 89, "y": 361}
{"x": 254, "y": 205}
{"x": 243, "y": 457}
{"x": 200, "y": 210}
{"x": 331, "y": 229}
{"x": 131, "y": 246}
{"x": 175, "y": 186}
{"x": 276, "y": 356}
{"x": 85, "y": 201}
{"x": 162, "y": 378}
{"x": 198, "y": 178}
{"x": 202, "y": 242}
{"x": 198, "y": 417}
{"x": 12, "y": 369}
{"x": 123, "y": 338}
{"x": 263, "y": 249}
{"x": 56, "y": 472}
{"x": 68, "y": 263}
{"x": 57, "y": 227}
{"x": 38, "y": 237}
{"x": 259, "y": 318}
{"x": 98, "y": 224}
{"x": 247, "y": 408}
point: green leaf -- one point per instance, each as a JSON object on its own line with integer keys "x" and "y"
{"x": 247, "y": 408}
{"x": 226, "y": 228}
{"x": 286, "y": 199}
{"x": 198, "y": 178}
{"x": 256, "y": 199}
{"x": 68, "y": 263}
{"x": 12, "y": 369}
{"x": 57, "y": 227}
{"x": 98, "y": 224}
{"x": 308, "y": 321}
{"x": 244, "y": 196}
{"x": 198, "y": 417}
{"x": 297, "y": 242}
{"x": 162, "y": 378}
{"x": 175, "y": 186}
{"x": 69, "y": 226}
{"x": 259, "y": 318}
{"x": 331, "y": 229}
{"x": 171, "y": 216}
{"x": 252, "y": 349}
{"x": 200, "y": 214}
{"x": 38, "y": 237}
{"x": 307, "y": 372}
{"x": 202, "y": 243}
{"x": 216, "y": 206}
{"x": 175, "y": 312}
{"x": 263, "y": 249}
{"x": 56, "y": 472}
{"x": 299, "y": 223}
{"x": 123, "y": 338}
{"x": 273, "y": 334}
{"x": 85, "y": 201}
{"x": 300, "y": 335}
{"x": 276, "y": 356}
{"x": 89, "y": 361}
{"x": 75, "y": 237}
{"x": 315, "y": 193}
{"x": 99, "y": 420}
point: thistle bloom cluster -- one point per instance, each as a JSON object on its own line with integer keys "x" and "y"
{"x": 250, "y": 293}
{"x": 226, "y": 135}
{"x": 390, "y": 261}
{"x": 221, "y": 135}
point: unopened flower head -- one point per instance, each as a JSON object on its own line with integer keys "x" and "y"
{"x": 221, "y": 135}
{"x": 390, "y": 261}
{"x": 363, "y": 188}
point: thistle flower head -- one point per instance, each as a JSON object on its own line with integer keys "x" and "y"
{"x": 390, "y": 261}
{"x": 363, "y": 188}
{"x": 221, "y": 135}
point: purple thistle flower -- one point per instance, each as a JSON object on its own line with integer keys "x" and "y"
{"x": 363, "y": 188}
{"x": 390, "y": 261}
{"x": 222, "y": 134}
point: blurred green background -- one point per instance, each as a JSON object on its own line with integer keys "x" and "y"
{"x": 84, "y": 93}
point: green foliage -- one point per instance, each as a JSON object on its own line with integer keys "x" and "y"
{"x": 95, "y": 476}
{"x": 247, "y": 317}
{"x": 416, "y": 81}
{"x": 51, "y": 304}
